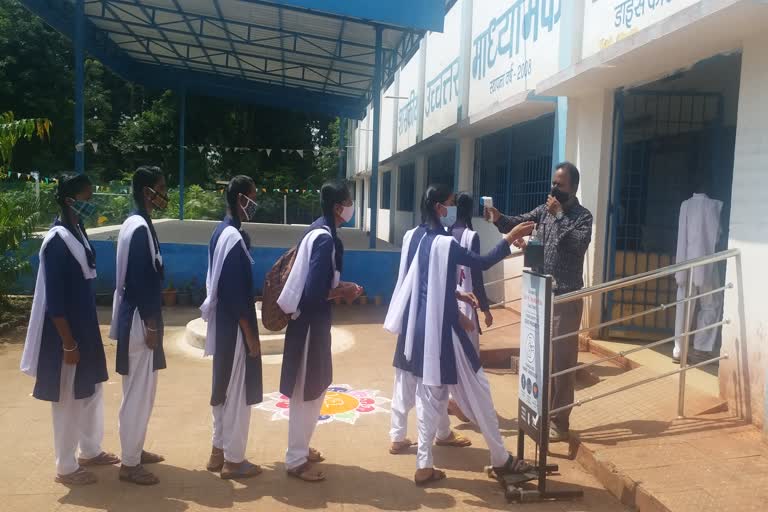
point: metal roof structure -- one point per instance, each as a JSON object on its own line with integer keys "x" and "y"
{"x": 311, "y": 55}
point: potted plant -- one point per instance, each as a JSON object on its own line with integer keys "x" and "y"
{"x": 184, "y": 295}
{"x": 169, "y": 295}
{"x": 197, "y": 293}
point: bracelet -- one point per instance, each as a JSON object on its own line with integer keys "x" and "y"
{"x": 69, "y": 349}
{"x": 151, "y": 330}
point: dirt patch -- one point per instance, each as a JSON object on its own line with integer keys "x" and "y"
{"x": 14, "y": 315}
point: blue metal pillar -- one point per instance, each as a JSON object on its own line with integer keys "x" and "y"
{"x": 79, "y": 47}
{"x": 376, "y": 94}
{"x": 182, "y": 155}
{"x": 561, "y": 125}
{"x": 342, "y": 148}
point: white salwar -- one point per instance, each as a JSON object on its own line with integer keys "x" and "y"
{"x": 231, "y": 420}
{"x": 303, "y": 415}
{"x": 139, "y": 390}
{"x": 77, "y": 423}
{"x": 464, "y": 284}
{"x": 698, "y": 233}
{"x": 140, "y": 385}
{"x": 472, "y": 391}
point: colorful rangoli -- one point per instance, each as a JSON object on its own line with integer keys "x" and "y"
{"x": 342, "y": 403}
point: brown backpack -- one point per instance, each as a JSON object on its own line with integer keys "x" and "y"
{"x": 274, "y": 318}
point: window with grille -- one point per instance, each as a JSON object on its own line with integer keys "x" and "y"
{"x": 406, "y": 184}
{"x": 441, "y": 168}
{"x": 386, "y": 190}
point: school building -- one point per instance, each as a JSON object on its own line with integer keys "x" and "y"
{"x": 640, "y": 94}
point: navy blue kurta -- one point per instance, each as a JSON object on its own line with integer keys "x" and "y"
{"x": 236, "y": 300}
{"x": 69, "y": 295}
{"x": 400, "y": 361}
{"x": 457, "y": 256}
{"x": 143, "y": 291}
{"x": 315, "y": 318}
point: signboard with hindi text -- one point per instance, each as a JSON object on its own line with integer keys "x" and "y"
{"x": 535, "y": 337}
{"x": 443, "y": 80}
{"x": 409, "y": 103}
{"x": 515, "y": 45}
{"x": 609, "y": 21}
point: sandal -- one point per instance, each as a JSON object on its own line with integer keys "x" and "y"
{"x": 151, "y": 458}
{"x": 79, "y": 477}
{"x": 243, "y": 470}
{"x": 435, "y": 476}
{"x": 137, "y": 475}
{"x": 315, "y": 456}
{"x": 216, "y": 460}
{"x": 305, "y": 473}
{"x": 513, "y": 466}
{"x": 102, "y": 459}
{"x": 454, "y": 410}
{"x": 454, "y": 441}
{"x": 400, "y": 447}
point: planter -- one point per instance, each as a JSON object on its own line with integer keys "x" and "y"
{"x": 338, "y": 301}
{"x": 184, "y": 299}
{"x": 103, "y": 299}
{"x": 377, "y": 300}
{"x": 169, "y": 298}
{"x": 364, "y": 300}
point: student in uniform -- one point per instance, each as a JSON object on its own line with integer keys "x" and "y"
{"x": 311, "y": 286}
{"x": 137, "y": 322}
{"x": 233, "y": 336}
{"x": 63, "y": 349}
{"x": 440, "y": 353}
{"x": 469, "y": 280}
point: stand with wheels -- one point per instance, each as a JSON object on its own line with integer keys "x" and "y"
{"x": 533, "y": 395}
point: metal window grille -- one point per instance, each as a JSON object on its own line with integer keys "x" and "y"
{"x": 406, "y": 185}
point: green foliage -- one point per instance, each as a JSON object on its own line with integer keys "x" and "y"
{"x": 17, "y": 223}
{"x": 12, "y": 130}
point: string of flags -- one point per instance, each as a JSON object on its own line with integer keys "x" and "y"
{"x": 206, "y": 148}
{"x": 34, "y": 175}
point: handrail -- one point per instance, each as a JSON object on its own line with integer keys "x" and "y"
{"x": 646, "y": 276}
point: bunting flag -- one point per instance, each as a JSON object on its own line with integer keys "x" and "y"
{"x": 300, "y": 152}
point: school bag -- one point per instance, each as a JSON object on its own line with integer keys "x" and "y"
{"x": 274, "y": 318}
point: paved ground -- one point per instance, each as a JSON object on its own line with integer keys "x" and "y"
{"x": 262, "y": 235}
{"x": 361, "y": 474}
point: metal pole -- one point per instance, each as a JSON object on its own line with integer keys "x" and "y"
{"x": 182, "y": 155}
{"x": 684, "y": 351}
{"x": 79, "y": 47}
{"x": 742, "y": 361}
{"x": 285, "y": 209}
{"x": 376, "y": 96}
{"x": 342, "y": 148}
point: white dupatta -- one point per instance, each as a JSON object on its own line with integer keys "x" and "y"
{"x": 294, "y": 287}
{"x": 464, "y": 278}
{"x": 228, "y": 240}
{"x": 124, "y": 238}
{"x": 31, "y": 354}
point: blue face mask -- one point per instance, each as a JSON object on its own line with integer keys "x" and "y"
{"x": 83, "y": 209}
{"x": 450, "y": 219}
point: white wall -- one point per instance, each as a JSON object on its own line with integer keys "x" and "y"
{"x": 588, "y": 146}
{"x": 747, "y": 342}
{"x": 409, "y": 111}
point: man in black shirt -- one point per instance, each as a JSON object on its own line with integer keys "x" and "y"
{"x": 565, "y": 229}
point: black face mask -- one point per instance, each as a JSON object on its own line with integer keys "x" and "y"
{"x": 562, "y": 197}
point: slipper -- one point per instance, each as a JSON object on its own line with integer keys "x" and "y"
{"x": 102, "y": 459}
{"x": 513, "y": 466}
{"x": 79, "y": 477}
{"x": 436, "y": 476}
{"x": 215, "y": 461}
{"x": 137, "y": 475}
{"x": 454, "y": 410}
{"x": 244, "y": 470}
{"x": 305, "y": 473}
{"x": 315, "y": 456}
{"x": 455, "y": 441}
{"x": 151, "y": 458}
{"x": 400, "y": 447}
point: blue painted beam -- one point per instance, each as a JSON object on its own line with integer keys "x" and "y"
{"x": 376, "y": 92}
{"x": 419, "y": 15}
{"x": 79, "y": 54}
{"x": 182, "y": 143}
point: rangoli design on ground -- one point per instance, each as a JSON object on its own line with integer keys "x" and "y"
{"x": 342, "y": 403}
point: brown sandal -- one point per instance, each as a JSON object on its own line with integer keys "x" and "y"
{"x": 455, "y": 441}
{"x": 151, "y": 458}
{"x": 315, "y": 456}
{"x": 400, "y": 447}
{"x": 102, "y": 459}
{"x": 435, "y": 476}
{"x": 305, "y": 473}
{"x": 513, "y": 466}
{"x": 138, "y": 475}
{"x": 455, "y": 410}
{"x": 243, "y": 470}
{"x": 79, "y": 477}
{"x": 216, "y": 460}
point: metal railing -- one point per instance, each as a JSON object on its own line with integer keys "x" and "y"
{"x": 688, "y": 302}
{"x": 505, "y": 303}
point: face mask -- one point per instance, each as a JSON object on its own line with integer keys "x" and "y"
{"x": 250, "y": 208}
{"x": 83, "y": 209}
{"x": 562, "y": 197}
{"x": 348, "y": 212}
{"x": 450, "y": 219}
{"x": 159, "y": 200}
